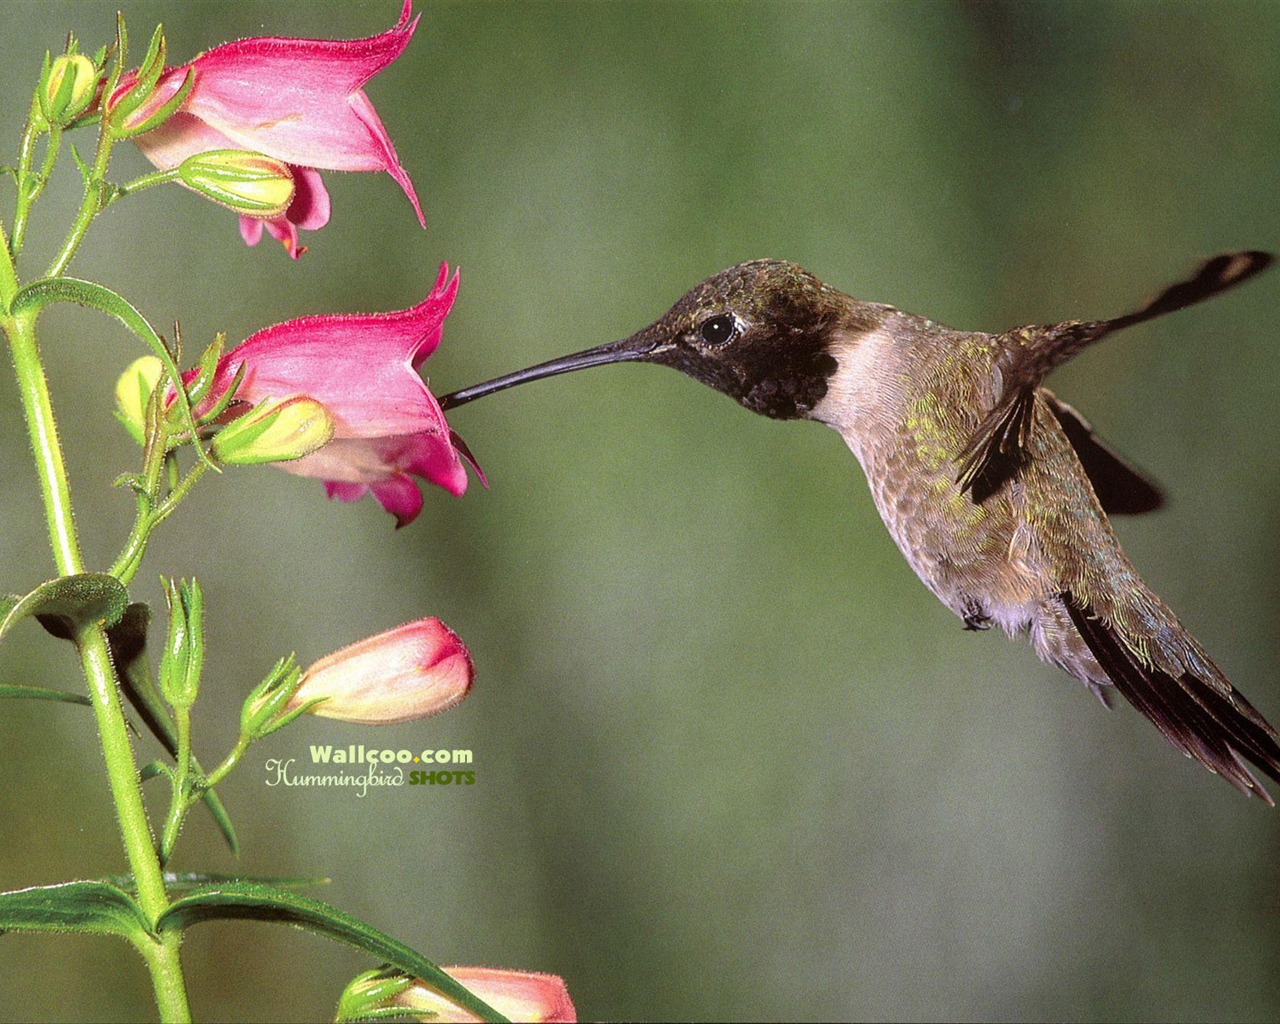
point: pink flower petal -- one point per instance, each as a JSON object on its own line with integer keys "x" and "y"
{"x": 387, "y": 426}
{"x": 310, "y": 207}
{"x": 345, "y": 492}
{"x": 300, "y": 101}
{"x": 358, "y": 366}
{"x": 400, "y": 496}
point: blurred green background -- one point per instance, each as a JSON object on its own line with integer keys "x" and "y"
{"x": 733, "y": 761}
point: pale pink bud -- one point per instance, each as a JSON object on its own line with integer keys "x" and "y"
{"x": 517, "y": 995}
{"x": 415, "y": 670}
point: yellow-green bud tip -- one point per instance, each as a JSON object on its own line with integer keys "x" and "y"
{"x": 277, "y": 430}
{"x": 69, "y": 87}
{"x": 248, "y": 183}
{"x": 133, "y": 392}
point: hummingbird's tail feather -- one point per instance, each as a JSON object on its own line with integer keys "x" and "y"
{"x": 1201, "y": 714}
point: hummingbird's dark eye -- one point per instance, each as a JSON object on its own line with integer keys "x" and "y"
{"x": 718, "y": 329}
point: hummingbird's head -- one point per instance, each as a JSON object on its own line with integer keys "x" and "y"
{"x": 761, "y": 332}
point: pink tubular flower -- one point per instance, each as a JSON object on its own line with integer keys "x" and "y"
{"x": 362, "y": 368}
{"x": 406, "y": 673}
{"x": 517, "y": 995}
{"x": 296, "y": 100}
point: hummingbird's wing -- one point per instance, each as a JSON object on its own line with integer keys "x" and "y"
{"x": 998, "y": 447}
{"x": 1121, "y": 488}
{"x": 1198, "y": 711}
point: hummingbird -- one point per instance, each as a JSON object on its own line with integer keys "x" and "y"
{"x": 996, "y": 491}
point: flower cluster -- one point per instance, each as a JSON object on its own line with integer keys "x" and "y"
{"x": 298, "y": 101}
{"x": 338, "y": 397}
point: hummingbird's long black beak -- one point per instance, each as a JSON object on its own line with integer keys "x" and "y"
{"x": 632, "y": 349}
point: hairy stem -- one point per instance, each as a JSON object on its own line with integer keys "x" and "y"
{"x": 95, "y": 657}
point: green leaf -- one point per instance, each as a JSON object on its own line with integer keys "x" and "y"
{"x": 98, "y": 908}
{"x": 41, "y": 693}
{"x": 186, "y": 881}
{"x": 128, "y": 640}
{"x": 68, "y": 604}
{"x": 261, "y": 902}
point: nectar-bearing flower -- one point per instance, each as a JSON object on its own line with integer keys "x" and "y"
{"x": 415, "y": 670}
{"x": 387, "y": 427}
{"x": 300, "y": 101}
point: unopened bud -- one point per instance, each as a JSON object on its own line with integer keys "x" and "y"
{"x": 133, "y": 392}
{"x": 248, "y": 183}
{"x": 276, "y": 430}
{"x": 183, "y": 658}
{"x": 370, "y": 994}
{"x": 68, "y": 86}
{"x": 517, "y": 995}
{"x": 415, "y": 670}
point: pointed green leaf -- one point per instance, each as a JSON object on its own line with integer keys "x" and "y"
{"x": 42, "y": 693}
{"x": 128, "y": 640}
{"x": 260, "y": 902}
{"x": 95, "y": 907}
{"x": 68, "y": 604}
{"x": 186, "y": 881}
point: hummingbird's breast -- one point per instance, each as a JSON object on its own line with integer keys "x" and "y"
{"x": 906, "y": 397}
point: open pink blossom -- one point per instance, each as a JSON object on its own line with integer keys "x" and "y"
{"x": 388, "y": 428}
{"x": 517, "y": 995}
{"x": 296, "y": 100}
{"x": 407, "y": 673}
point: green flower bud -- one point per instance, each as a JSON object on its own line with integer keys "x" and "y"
{"x": 133, "y": 392}
{"x": 369, "y": 993}
{"x": 276, "y": 430}
{"x": 264, "y": 710}
{"x": 183, "y": 658}
{"x": 67, "y": 87}
{"x": 248, "y": 183}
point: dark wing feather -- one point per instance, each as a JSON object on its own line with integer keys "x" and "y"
{"x": 1204, "y": 718}
{"x": 1121, "y": 489}
{"x": 996, "y": 450}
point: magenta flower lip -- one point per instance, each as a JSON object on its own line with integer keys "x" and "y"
{"x": 300, "y": 101}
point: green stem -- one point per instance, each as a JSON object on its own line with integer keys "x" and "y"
{"x": 23, "y": 205}
{"x": 180, "y": 801}
{"x": 91, "y": 203}
{"x": 231, "y": 760}
{"x": 151, "y": 515}
{"x": 8, "y": 272}
{"x": 122, "y": 773}
{"x": 146, "y": 181}
{"x": 42, "y": 427}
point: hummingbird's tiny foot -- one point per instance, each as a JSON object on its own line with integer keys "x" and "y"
{"x": 975, "y": 617}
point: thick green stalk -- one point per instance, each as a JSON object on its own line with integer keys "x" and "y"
{"x": 135, "y": 829}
